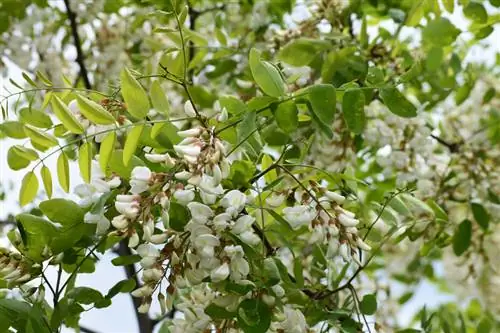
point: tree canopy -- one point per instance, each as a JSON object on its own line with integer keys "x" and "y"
{"x": 254, "y": 165}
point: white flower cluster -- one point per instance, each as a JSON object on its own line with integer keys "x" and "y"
{"x": 14, "y": 269}
{"x": 334, "y": 154}
{"x": 321, "y": 211}
{"x": 90, "y": 193}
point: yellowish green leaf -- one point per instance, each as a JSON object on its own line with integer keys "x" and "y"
{"x": 29, "y": 188}
{"x": 134, "y": 95}
{"x": 85, "y": 160}
{"x": 47, "y": 180}
{"x": 107, "y": 146}
{"x": 131, "y": 143}
{"x": 63, "y": 171}
{"x": 159, "y": 99}
{"x": 40, "y": 138}
{"x": 64, "y": 114}
{"x": 94, "y": 111}
{"x": 270, "y": 176}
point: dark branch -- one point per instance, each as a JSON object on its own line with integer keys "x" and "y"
{"x": 453, "y": 147}
{"x": 87, "y": 330}
{"x": 145, "y": 323}
{"x": 78, "y": 44}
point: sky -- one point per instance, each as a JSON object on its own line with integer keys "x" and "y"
{"x": 119, "y": 317}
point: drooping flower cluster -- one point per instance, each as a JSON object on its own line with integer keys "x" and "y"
{"x": 15, "y": 269}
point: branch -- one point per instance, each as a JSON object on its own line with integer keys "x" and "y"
{"x": 87, "y": 330}
{"x": 145, "y": 323}
{"x": 453, "y": 147}
{"x": 78, "y": 44}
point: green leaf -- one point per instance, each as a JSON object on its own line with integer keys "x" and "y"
{"x": 412, "y": 73}
{"x": 29, "y": 80}
{"x": 62, "y": 211}
{"x": 179, "y": 216}
{"x": 302, "y": 51}
{"x": 271, "y": 272}
{"x": 85, "y": 161}
{"x": 64, "y": 114}
{"x": 116, "y": 164}
{"x": 286, "y": 116}
{"x": 241, "y": 173}
{"x": 322, "y": 98}
{"x": 271, "y": 175}
{"x": 463, "y": 92}
{"x": 13, "y": 129}
{"x": 123, "y": 286}
{"x": 440, "y": 32}
{"x": 254, "y": 316}
{"x": 36, "y": 233}
{"x": 47, "y": 180}
{"x": 353, "y": 108}
{"x": 416, "y": 13}
{"x": 94, "y": 112}
{"x": 35, "y": 118}
{"x": 298, "y": 272}
{"x": 29, "y": 188}
{"x": 22, "y": 317}
{"x": 397, "y": 103}
{"x": 434, "y": 58}
{"x": 476, "y": 12}
{"x": 126, "y": 260}
{"x": 106, "y": 149}
{"x": 40, "y": 138}
{"x": 134, "y": 95}
{"x": 159, "y": 99}
{"x": 233, "y": 104}
{"x": 19, "y": 157}
{"x": 131, "y": 143}
{"x": 368, "y": 304}
{"x": 84, "y": 295}
{"x": 462, "y": 237}
{"x": 218, "y": 312}
{"x": 449, "y": 5}
{"x": 480, "y": 215}
{"x": 63, "y": 171}
{"x": 267, "y": 77}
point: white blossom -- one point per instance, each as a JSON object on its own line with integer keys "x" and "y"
{"x": 298, "y": 216}
{"x": 140, "y": 179}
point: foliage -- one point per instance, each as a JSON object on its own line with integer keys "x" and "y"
{"x": 258, "y": 172}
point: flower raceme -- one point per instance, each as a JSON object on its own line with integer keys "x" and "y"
{"x": 193, "y": 228}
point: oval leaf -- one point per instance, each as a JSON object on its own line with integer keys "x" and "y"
{"x": 480, "y": 215}
{"x": 64, "y": 114}
{"x": 35, "y": 118}
{"x": 286, "y": 116}
{"x": 40, "y": 138}
{"x": 94, "y": 111}
{"x": 29, "y": 188}
{"x": 397, "y": 103}
{"x": 63, "y": 171}
{"x": 47, "y": 180}
{"x": 131, "y": 143}
{"x": 107, "y": 146}
{"x": 267, "y": 77}
{"x": 134, "y": 95}
{"x": 353, "y": 108}
{"x": 159, "y": 99}
{"x": 462, "y": 237}
{"x": 85, "y": 160}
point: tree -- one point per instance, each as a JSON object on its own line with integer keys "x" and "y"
{"x": 251, "y": 173}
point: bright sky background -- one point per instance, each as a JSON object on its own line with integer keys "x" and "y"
{"x": 120, "y": 318}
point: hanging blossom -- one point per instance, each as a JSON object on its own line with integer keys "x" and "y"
{"x": 16, "y": 269}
